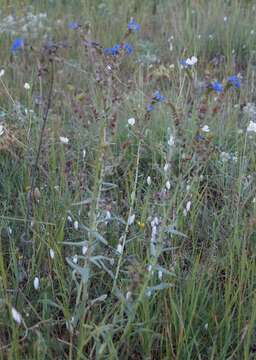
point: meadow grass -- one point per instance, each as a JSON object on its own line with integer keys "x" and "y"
{"x": 127, "y": 232}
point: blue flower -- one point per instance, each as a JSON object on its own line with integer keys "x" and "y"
{"x": 150, "y": 107}
{"x": 199, "y": 137}
{"x": 133, "y": 26}
{"x": 17, "y": 44}
{"x": 183, "y": 63}
{"x": 73, "y": 25}
{"x": 113, "y": 51}
{"x": 129, "y": 48}
{"x": 233, "y": 80}
{"x": 216, "y": 86}
{"x": 158, "y": 97}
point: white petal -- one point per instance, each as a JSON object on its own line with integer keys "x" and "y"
{"x": 168, "y": 185}
{"x": 166, "y": 167}
{"x": 128, "y": 295}
{"x": 188, "y": 206}
{"x": 52, "y": 254}
{"x": 131, "y": 219}
{"x": 16, "y": 316}
{"x": 119, "y": 249}
{"x": 36, "y": 283}
{"x": 160, "y": 275}
{"x": 171, "y": 140}
{"x": 26, "y": 86}
{"x": 76, "y": 225}
{"x": 131, "y": 121}
{"x": 64, "y": 140}
{"x": 149, "y": 181}
{"x": 193, "y": 60}
{"x": 84, "y": 249}
{"x": 205, "y": 128}
{"x": 251, "y": 127}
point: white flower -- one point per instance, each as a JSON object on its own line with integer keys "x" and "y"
{"x": 26, "y": 86}
{"x": 76, "y": 225}
{"x": 225, "y": 18}
{"x": 84, "y": 153}
{"x": 168, "y": 185}
{"x": 166, "y": 167}
{"x": 108, "y": 215}
{"x": 75, "y": 259}
{"x": 128, "y": 295}
{"x": 131, "y": 219}
{"x": 148, "y": 293}
{"x": 69, "y": 218}
{"x": 119, "y": 249}
{"x": 36, "y": 283}
{"x": 224, "y": 156}
{"x": 9, "y": 229}
{"x": 84, "y": 249}
{"x": 187, "y": 209}
{"x": 188, "y": 206}
{"x": 149, "y": 268}
{"x": 149, "y": 181}
{"x": 160, "y": 275}
{"x": 191, "y": 61}
{"x": 131, "y": 121}
{"x": 171, "y": 140}
{"x": 251, "y": 127}
{"x": 1, "y": 130}
{"x": 2, "y": 71}
{"x": 64, "y": 140}
{"x": 16, "y": 316}
{"x": 205, "y": 128}
{"x": 52, "y": 253}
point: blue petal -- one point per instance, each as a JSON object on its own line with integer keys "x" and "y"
{"x": 129, "y": 48}
{"x": 73, "y": 25}
{"x": 17, "y": 44}
{"x": 134, "y": 26}
{"x": 217, "y": 86}
{"x": 233, "y": 80}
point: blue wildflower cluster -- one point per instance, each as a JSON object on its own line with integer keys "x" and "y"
{"x": 17, "y": 44}
{"x": 116, "y": 49}
{"x": 234, "y": 81}
{"x": 156, "y": 99}
{"x": 133, "y": 26}
{"x": 73, "y": 25}
{"x": 216, "y": 86}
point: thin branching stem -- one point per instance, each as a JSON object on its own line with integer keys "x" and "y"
{"x": 34, "y": 171}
